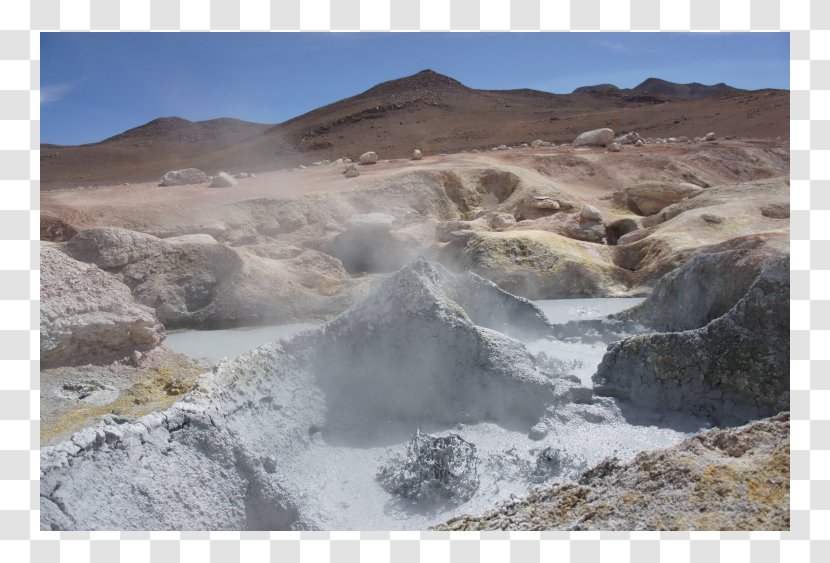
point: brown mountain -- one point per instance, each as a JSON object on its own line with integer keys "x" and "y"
{"x": 426, "y": 110}
{"x": 690, "y": 91}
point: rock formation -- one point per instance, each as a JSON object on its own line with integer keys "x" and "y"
{"x": 733, "y": 369}
{"x": 88, "y": 316}
{"x": 199, "y": 283}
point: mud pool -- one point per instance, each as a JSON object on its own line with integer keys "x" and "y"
{"x": 339, "y": 486}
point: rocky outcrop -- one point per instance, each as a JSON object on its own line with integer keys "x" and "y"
{"x": 183, "y": 177}
{"x": 733, "y": 369}
{"x": 199, "y": 283}
{"x": 736, "y": 479}
{"x": 223, "y": 180}
{"x": 597, "y": 137}
{"x": 88, "y": 316}
{"x": 543, "y": 265}
{"x": 700, "y": 291}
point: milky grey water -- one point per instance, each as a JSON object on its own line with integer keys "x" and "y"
{"x": 212, "y": 345}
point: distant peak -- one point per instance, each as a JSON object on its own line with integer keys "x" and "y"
{"x": 422, "y": 80}
{"x": 169, "y": 120}
{"x": 595, "y": 87}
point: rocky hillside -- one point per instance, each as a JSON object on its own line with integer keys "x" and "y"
{"x": 428, "y": 111}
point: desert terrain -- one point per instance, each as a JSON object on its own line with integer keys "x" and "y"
{"x": 430, "y": 283}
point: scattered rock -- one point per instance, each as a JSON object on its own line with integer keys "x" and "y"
{"x": 710, "y": 218}
{"x": 590, "y": 213}
{"x": 351, "y": 171}
{"x": 614, "y": 147}
{"x": 416, "y": 155}
{"x": 502, "y": 221}
{"x": 630, "y": 138}
{"x": 223, "y": 180}
{"x": 370, "y": 157}
{"x": 709, "y": 136}
{"x": 597, "y": 137}
{"x": 183, "y": 177}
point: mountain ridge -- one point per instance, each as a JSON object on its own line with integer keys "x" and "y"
{"x": 426, "y": 110}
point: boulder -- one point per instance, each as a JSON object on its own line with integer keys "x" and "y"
{"x": 649, "y": 198}
{"x": 597, "y": 137}
{"x": 502, "y": 220}
{"x": 223, "y": 180}
{"x": 370, "y": 157}
{"x": 709, "y": 136}
{"x": 590, "y": 213}
{"x": 541, "y": 202}
{"x": 351, "y": 171}
{"x": 183, "y": 177}
{"x": 416, "y": 155}
{"x": 88, "y": 316}
{"x": 614, "y": 147}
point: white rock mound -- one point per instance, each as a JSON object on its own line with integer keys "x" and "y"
{"x": 422, "y": 349}
{"x": 183, "y": 177}
{"x": 88, "y": 316}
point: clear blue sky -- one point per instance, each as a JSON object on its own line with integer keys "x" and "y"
{"x": 94, "y": 85}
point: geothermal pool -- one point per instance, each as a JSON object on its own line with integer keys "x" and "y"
{"x": 339, "y": 486}
{"x": 213, "y": 345}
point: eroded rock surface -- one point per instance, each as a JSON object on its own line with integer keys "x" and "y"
{"x": 733, "y": 369}
{"x": 198, "y": 283}
{"x": 88, "y": 316}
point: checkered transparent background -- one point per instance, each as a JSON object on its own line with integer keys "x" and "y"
{"x": 808, "y": 21}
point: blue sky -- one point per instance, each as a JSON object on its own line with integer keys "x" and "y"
{"x": 95, "y": 85}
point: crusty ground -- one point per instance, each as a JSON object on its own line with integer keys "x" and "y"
{"x": 733, "y": 479}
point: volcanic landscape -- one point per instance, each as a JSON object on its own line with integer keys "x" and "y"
{"x": 423, "y": 306}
